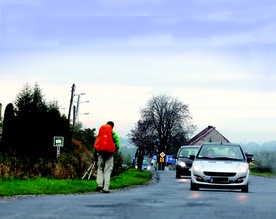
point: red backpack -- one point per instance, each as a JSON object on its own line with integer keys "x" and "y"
{"x": 104, "y": 141}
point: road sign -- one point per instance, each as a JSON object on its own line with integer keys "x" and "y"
{"x": 162, "y": 154}
{"x": 170, "y": 159}
{"x": 58, "y": 141}
{"x": 162, "y": 159}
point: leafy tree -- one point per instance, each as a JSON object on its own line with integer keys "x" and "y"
{"x": 8, "y": 135}
{"x": 86, "y": 136}
{"x": 37, "y": 123}
{"x": 164, "y": 126}
{"x": 28, "y": 130}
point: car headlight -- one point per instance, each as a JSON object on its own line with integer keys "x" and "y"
{"x": 181, "y": 163}
{"x": 197, "y": 167}
{"x": 242, "y": 168}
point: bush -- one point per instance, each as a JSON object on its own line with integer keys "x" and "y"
{"x": 73, "y": 164}
{"x": 265, "y": 161}
{"x": 70, "y": 165}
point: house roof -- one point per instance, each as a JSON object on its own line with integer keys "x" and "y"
{"x": 205, "y": 132}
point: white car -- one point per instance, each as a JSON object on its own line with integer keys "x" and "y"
{"x": 220, "y": 165}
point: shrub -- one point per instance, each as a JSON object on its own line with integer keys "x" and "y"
{"x": 70, "y": 165}
{"x": 265, "y": 161}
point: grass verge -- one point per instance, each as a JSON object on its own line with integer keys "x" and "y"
{"x": 46, "y": 186}
{"x": 263, "y": 174}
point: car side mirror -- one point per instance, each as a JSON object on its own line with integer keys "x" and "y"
{"x": 249, "y": 158}
{"x": 191, "y": 157}
{"x": 175, "y": 156}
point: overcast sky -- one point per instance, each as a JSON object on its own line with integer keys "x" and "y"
{"x": 216, "y": 56}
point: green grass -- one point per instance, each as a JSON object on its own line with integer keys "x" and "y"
{"x": 46, "y": 186}
{"x": 131, "y": 177}
{"x": 261, "y": 172}
{"x": 264, "y": 174}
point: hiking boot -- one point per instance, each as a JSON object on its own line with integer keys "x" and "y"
{"x": 99, "y": 188}
{"x": 104, "y": 191}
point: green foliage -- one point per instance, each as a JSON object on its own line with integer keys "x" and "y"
{"x": 129, "y": 177}
{"x": 70, "y": 165}
{"x": 74, "y": 163}
{"x": 29, "y": 130}
{"x": 118, "y": 161}
{"x": 23, "y": 167}
{"x": 87, "y": 136}
{"x": 8, "y": 135}
{"x": 265, "y": 161}
{"x": 44, "y": 186}
{"x": 27, "y": 150}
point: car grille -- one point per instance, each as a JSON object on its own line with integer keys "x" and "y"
{"x": 206, "y": 173}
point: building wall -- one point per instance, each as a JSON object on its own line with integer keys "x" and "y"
{"x": 213, "y": 136}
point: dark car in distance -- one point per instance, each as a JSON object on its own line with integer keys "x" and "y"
{"x": 182, "y": 161}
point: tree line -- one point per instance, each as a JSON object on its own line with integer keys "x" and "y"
{"x": 28, "y": 130}
{"x": 30, "y": 123}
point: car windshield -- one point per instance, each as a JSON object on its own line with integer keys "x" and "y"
{"x": 146, "y": 162}
{"x": 187, "y": 151}
{"x": 221, "y": 152}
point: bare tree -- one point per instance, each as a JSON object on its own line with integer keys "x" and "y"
{"x": 164, "y": 126}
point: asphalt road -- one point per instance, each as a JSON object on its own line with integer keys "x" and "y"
{"x": 169, "y": 198}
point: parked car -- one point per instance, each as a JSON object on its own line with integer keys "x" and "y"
{"x": 182, "y": 161}
{"x": 220, "y": 166}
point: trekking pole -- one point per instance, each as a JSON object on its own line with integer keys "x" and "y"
{"x": 91, "y": 168}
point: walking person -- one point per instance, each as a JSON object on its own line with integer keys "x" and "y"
{"x": 139, "y": 155}
{"x": 106, "y": 144}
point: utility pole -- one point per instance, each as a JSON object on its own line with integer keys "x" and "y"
{"x": 74, "y": 116}
{"x": 71, "y": 102}
{"x": 76, "y": 109}
{"x": 78, "y": 105}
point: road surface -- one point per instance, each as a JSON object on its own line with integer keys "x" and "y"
{"x": 170, "y": 198}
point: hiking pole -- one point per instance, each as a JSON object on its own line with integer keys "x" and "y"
{"x": 91, "y": 168}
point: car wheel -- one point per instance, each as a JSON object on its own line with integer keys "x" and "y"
{"x": 193, "y": 186}
{"x": 245, "y": 189}
{"x": 177, "y": 175}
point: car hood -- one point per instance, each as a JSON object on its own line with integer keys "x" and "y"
{"x": 220, "y": 166}
{"x": 186, "y": 160}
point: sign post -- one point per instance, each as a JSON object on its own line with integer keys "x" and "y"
{"x": 162, "y": 159}
{"x": 58, "y": 142}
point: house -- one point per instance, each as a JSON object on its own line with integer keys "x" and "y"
{"x": 209, "y": 134}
